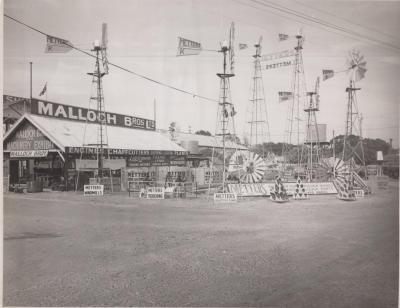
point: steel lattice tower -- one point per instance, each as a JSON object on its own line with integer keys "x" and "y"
{"x": 353, "y": 127}
{"x": 226, "y": 112}
{"x": 257, "y": 117}
{"x": 296, "y": 105}
{"x": 312, "y": 141}
{"x": 98, "y": 97}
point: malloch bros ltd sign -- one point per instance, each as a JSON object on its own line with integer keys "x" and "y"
{"x": 50, "y": 109}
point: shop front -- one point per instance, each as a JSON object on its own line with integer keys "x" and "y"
{"x": 47, "y": 146}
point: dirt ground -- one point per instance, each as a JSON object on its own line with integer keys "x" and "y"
{"x": 63, "y": 249}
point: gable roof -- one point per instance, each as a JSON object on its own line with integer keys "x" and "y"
{"x": 66, "y": 133}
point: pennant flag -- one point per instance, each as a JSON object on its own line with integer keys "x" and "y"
{"x": 242, "y": 46}
{"x": 44, "y": 90}
{"x": 188, "y": 47}
{"x": 283, "y": 37}
{"x": 284, "y": 96}
{"x": 326, "y": 74}
{"x": 57, "y": 45}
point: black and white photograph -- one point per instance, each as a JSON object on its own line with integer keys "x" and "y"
{"x": 200, "y": 153}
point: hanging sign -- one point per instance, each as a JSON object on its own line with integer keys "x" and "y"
{"x": 277, "y": 65}
{"x": 93, "y": 190}
{"x": 187, "y": 47}
{"x": 278, "y": 55}
{"x": 225, "y": 197}
{"x": 49, "y": 109}
{"x": 57, "y": 45}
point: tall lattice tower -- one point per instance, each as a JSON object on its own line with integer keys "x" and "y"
{"x": 312, "y": 140}
{"x": 354, "y": 153}
{"x": 257, "y": 126}
{"x": 294, "y": 125}
{"x": 99, "y": 138}
{"x": 226, "y": 111}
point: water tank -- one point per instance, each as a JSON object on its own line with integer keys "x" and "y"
{"x": 192, "y": 146}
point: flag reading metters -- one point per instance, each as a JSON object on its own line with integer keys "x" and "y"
{"x": 50, "y": 109}
{"x": 285, "y": 96}
{"x": 187, "y": 47}
{"x": 57, "y": 45}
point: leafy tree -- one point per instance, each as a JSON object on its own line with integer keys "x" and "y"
{"x": 203, "y": 132}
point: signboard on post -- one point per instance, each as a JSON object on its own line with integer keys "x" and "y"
{"x": 155, "y": 193}
{"x": 225, "y": 197}
{"x": 93, "y": 190}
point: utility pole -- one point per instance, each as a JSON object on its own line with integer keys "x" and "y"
{"x": 30, "y": 94}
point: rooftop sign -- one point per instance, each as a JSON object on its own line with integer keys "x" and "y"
{"x": 55, "y": 110}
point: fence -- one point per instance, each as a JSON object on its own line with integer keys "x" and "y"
{"x": 172, "y": 189}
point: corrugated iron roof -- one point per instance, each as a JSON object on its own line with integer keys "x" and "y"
{"x": 66, "y": 133}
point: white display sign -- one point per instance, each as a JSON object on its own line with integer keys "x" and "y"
{"x": 93, "y": 190}
{"x": 264, "y": 189}
{"x": 225, "y": 197}
{"x": 32, "y": 153}
{"x": 359, "y": 193}
{"x": 155, "y": 193}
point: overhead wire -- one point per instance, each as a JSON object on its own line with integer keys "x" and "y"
{"x": 119, "y": 66}
{"x": 347, "y": 20}
{"x": 318, "y": 21}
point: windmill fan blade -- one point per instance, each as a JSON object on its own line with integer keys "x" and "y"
{"x": 104, "y": 38}
{"x": 231, "y": 47}
{"x": 362, "y": 64}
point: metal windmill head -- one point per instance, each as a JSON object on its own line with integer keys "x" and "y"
{"x": 104, "y": 42}
{"x": 356, "y": 65}
{"x": 258, "y": 46}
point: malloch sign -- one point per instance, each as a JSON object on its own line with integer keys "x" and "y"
{"x": 50, "y": 109}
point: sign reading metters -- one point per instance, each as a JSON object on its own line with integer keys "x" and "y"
{"x": 49, "y": 109}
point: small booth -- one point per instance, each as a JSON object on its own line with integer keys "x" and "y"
{"x": 47, "y": 148}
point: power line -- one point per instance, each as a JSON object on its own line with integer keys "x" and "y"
{"x": 321, "y": 22}
{"x": 346, "y": 20}
{"x": 118, "y": 66}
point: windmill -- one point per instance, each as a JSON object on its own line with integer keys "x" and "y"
{"x": 312, "y": 140}
{"x": 101, "y": 143}
{"x": 298, "y": 101}
{"x": 247, "y": 166}
{"x": 251, "y": 167}
{"x": 356, "y": 66}
{"x": 226, "y": 110}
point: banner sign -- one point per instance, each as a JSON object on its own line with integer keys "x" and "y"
{"x": 127, "y": 152}
{"x": 225, "y": 197}
{"x": 157, "y": 161}
{"x": 57, "y": 45}
{"x": 155, "y": 193}
{"x": 188, "y": 47}
{"x": 28, "y": 138}
{"x": 32, "y": 153}
{"x": 49, "y": 109}
{"x": 277, "y": 65}
{"x": 264, "y": 189}
{"x": 81, "y": 164}
{"x": 278, "y": 55}
{"x": 93, "y": 190}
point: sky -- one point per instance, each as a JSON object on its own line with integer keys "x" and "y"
{"x": 142, "y": 36}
